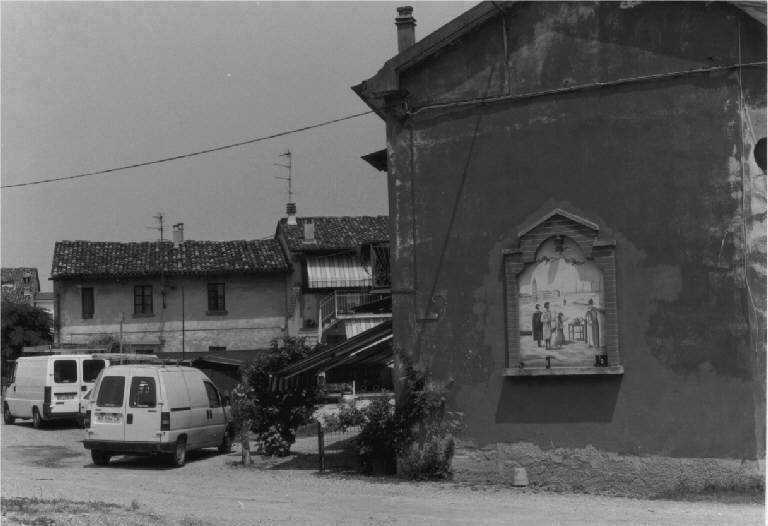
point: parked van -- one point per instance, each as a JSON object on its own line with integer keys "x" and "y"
{"x": 51, "y": 386}
{"x": 151, "y": 409}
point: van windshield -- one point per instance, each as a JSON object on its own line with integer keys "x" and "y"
{"x": 65, "y": 371}
{"x": 111, "y": 391}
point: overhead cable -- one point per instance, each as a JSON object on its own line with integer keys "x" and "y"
{"x": 193, "y": 154}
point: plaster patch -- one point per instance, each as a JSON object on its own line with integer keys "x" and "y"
{"x": 666, "y": 282}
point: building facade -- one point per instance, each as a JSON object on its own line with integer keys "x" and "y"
{"x": 340, "y": 275}
{"x": 160, "y": 297}
{"x": 577, "y": 198}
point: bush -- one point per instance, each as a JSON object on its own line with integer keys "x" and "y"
{"x": 376, "y": 442}
{"x": 273, "y": 414}
{"x": 273, "y": 443}
{"x": 420, "y": 431}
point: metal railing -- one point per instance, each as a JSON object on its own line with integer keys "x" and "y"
{"x": 338, "y": 304}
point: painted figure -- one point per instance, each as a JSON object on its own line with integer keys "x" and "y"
{"x": 547, "y": 319}
{"x": 559, "y": 334}
{"x": 536, "y": 326}
{"x": 593, "y": 325}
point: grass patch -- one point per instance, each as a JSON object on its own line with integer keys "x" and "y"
{"x": 45, "y": 512}
{"x": 750, "y": 493}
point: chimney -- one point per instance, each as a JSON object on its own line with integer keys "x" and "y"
{"x": 290, "y": 209}
{"x": 406, "y": 28}
{"x": 178, "y": 234}
{"x": 309, "y": 231}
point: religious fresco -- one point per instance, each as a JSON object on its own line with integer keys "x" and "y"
{"x": 561, "y": 307}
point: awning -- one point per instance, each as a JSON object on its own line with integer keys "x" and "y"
{"x": 372, "y": 347}
{"x": 353, "y": 327}
{"x": 337, "y": 271}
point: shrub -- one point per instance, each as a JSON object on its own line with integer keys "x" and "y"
{"x": 420, "y": 431}
{"x": 273, "y": 443}
{"x": 272, "y": 412}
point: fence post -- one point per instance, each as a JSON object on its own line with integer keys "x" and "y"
{"x": 321, "y": 446}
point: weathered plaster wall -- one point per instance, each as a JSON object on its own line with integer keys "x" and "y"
{"x": 255, "y": 306}
{"x": 663, "y": 166}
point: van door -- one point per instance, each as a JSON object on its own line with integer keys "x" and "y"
{"x": 91, "y": 367}
{"x": 65, "y": 388}
{"x": 216, "y": 421}
{"x": 107, "y": 420}
{"x": 198, "y": 401}
{"x": 142, "y": 418}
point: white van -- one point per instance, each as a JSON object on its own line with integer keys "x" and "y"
{"x": 51, "y": 386}
{"x": 153, "y": 408}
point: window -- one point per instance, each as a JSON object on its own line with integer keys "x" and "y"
{"x": 91, "y": 369}
{"x": 142, "y": 299}
{"x": 380, "y": 264}
{"x": 86, "y": 302}
{"x": 213, "y": 395}
{"x": 561, "y": 299}
{"x": 216, "y": 298}
{"x": 143, "y": 392}
{"x": 111, "y": 391}
{"x": 65, "y": 371}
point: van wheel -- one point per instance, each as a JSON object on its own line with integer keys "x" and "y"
{"x": 100, "y": 458}
{"x": 226, "y": 444}
{"x": 37, "y": 421}
{"x": 180, "y": 454}
{"x": 8, "y": 418}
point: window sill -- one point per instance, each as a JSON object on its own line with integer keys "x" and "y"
{"x": 216, "y": 313}
{"x": 565, "y": 371}
{"x": 143, "y": 315}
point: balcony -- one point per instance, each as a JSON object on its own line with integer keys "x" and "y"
{"x": 339, "y": 306}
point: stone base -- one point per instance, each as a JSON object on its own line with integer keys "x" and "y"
{"x": 592, "y": 471}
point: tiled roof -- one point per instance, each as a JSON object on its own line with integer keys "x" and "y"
{"x": 101, "y": 260}
{"x": 13, "y": 286}
{"x": 335, "y": 233}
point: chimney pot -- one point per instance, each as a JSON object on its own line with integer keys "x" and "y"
{"x": 178, "y": 234}
{"x": 290, "y": 209}
{"x": 406, "y": 28}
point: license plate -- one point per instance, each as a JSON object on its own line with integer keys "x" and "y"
{"x": 109, "y": 418}
{"x": 65, "y": 396}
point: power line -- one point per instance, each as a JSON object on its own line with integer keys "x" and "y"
{"x": 193, "y": 154}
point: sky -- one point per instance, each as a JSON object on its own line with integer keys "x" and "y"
{"x": 96, "y": 85}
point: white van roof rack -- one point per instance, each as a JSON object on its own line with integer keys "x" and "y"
{"x": 126, "y": 358}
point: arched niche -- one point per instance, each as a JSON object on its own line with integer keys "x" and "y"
{"x": 560, "y": 288}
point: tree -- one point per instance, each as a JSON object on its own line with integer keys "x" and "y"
{"x": 23, "y": 326}
{"x": 273, "y": 414}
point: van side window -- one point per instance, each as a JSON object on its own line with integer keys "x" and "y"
{"x": 65, "y": 371}
{"x": 213, "y": 395}
{"x": 143, "y": 392}
{"x": 91, "y": 369}
{"x": 111, "y": 391}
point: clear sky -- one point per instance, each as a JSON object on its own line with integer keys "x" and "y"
{"x": 91, "y": 86}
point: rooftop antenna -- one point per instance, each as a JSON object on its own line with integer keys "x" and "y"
{"x": 160, "y": 225}
{"x": 290, "y": 170}
{"x": 290, "y": 208}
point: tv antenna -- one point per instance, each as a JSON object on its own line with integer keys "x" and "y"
{"x": 159, "y": 217}
{"x": 290, "y": 172}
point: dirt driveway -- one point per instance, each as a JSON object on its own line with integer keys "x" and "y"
{"x": 211, "y": 489}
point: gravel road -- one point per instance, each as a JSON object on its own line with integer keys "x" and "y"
{"x": 51, "y": 463}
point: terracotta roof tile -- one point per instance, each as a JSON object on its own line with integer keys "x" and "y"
{"x": 335, "y": 233}
{"x": 98, "y": 259}
{"x": 14, "y": 287}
